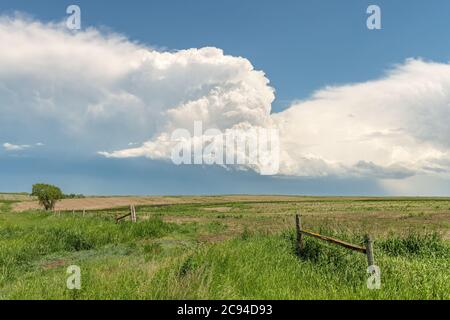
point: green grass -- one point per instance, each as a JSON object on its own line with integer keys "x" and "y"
{"x": 244, "y": 252}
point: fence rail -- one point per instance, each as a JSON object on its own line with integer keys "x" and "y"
{"x": 335, "y": 241}
{"x": 368, "y": 249}
{"x": 131, "y": 214}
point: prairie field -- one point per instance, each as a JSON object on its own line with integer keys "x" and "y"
{"x": 223, "y": 247}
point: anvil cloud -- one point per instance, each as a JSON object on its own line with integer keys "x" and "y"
{"x": 98, "y": 91}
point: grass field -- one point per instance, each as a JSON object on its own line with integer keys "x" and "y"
{"x": 227, "y": 248}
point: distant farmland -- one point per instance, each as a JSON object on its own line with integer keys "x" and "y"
{"x": 223, "y": 247}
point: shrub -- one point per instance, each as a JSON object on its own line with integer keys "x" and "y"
{"x": 47, "y": 195}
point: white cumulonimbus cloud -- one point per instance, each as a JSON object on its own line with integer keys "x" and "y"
{"x": 101, "y": 91}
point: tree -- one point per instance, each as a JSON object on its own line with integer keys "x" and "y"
{"x": 47, "y": 195}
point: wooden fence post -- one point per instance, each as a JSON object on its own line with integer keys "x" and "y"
{"x": 133, "y": 213}
{"x": 369, "y": 251}
{"x": 298, "y": 227}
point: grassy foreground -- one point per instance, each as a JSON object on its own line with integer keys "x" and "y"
{"x": 227, "y": 251}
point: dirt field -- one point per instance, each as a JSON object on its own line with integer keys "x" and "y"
{"x": 109, "y": 202}
{"x": 95, "y": 203}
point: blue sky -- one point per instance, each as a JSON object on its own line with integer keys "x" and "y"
{"x": 302, "y": 46}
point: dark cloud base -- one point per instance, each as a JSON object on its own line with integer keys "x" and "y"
{"x": 98, "y": 176}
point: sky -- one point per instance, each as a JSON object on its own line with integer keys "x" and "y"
{"x": 359, "y": 111}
